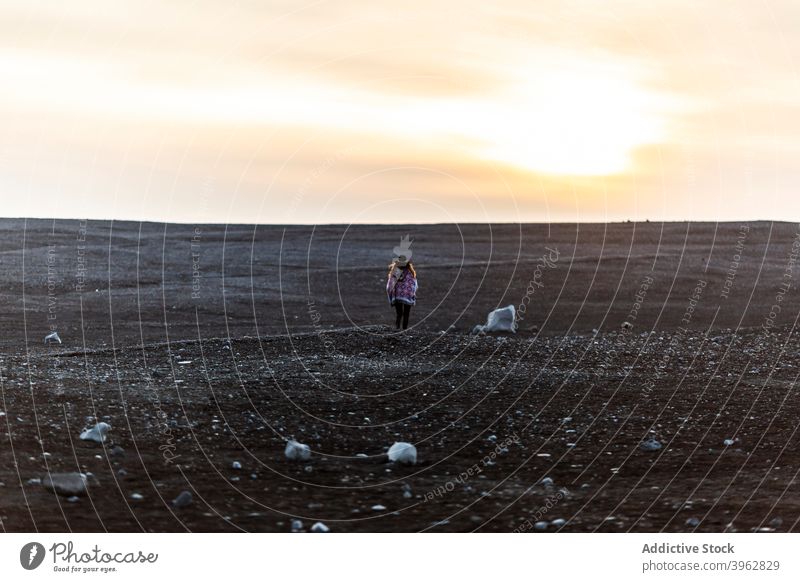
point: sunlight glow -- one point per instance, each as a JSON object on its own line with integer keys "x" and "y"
{"x": 572, "y": 123}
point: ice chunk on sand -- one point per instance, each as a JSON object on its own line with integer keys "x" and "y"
{"x": 503, "y": 319}
{"x": 52, "y": 338}
{"x": 97, "y": 433}
{"x": 403, "y": 453}
{"x": 297, "y": 451}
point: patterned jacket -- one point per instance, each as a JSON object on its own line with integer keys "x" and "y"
{"x": 402, "y": 286}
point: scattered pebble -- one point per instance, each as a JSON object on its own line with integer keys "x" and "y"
{"x": 320, "y": 527}
{"x": 650, "y": 445}
{"x": 183, "y": 499}
{"x": 378, "y": 507}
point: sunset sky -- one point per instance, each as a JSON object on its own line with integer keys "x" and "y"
{"x": 321, "y": 112}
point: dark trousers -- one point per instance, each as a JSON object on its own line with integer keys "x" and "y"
{"x": 403, "y": 311}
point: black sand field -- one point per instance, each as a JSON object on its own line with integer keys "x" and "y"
{"x": 650, "y": 387}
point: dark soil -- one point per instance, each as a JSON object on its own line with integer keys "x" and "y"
{"x": 283, "y": 335}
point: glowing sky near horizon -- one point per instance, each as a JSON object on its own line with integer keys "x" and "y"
{"x": 319, "y": 112}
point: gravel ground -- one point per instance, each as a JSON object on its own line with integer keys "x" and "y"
{"x": 651, "y": 386}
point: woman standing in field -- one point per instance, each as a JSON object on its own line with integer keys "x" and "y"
{"x": 401, "y": 287}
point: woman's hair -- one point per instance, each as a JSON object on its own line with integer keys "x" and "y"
{"x": 410, "y": 267}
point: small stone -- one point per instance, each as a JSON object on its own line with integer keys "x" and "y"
{"x": 546, "y": 482}
{"x": 117, "y": 451}
{"x": 540, "y": 525}
{"x": 122, "y": 473}
{"x": 297, "y": 525}
{"x": 692, "y": 522}
{"x": 184, "y": 499}
{"x": 650, "y": 445}
{"x": 558, "y": 522}
{"x": 73, "y": 499}
{"x": 378, "y": 507}
{"x": 66, "y": 484}
{"x": 236, "y": 465}
{"x": 776, "y": 522}
{"x": 728, "y": 442}
{"x": 320, "y": 527}
{"x": 137, "y": 496}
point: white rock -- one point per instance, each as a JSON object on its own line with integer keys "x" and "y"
{"x": 320, "y": 527}
{"x": 97, "y": 433}
{"x": 66, "y": 484}
{"x": 540, "y": 525}
{"x": 236, "y": 465}
{"x": 52, "y": 338}
{"x": 728, "y": 442}
{"x": 137, "y": 496}
{"x": 403, "y": 453}
{"x": 297, "y": 451}
{"x": 547, "y": 482}
{"x": 650, "y": 445}
{"x": 297, "y": 525}
{"x": 558, "y": 522}
{"x": 378, "y": 507}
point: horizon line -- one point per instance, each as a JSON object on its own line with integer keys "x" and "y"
{"x": 351, "y": 224}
